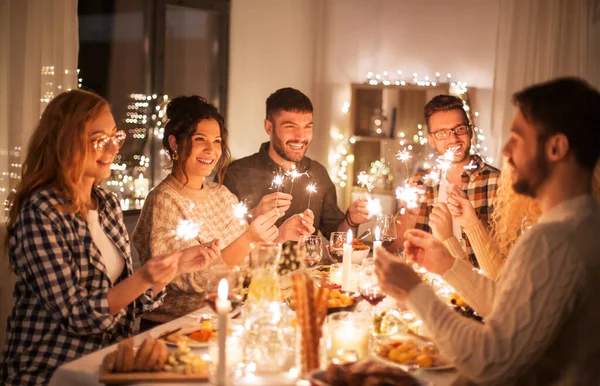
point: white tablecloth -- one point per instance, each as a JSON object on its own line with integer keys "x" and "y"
{"x": 85, "y": 371}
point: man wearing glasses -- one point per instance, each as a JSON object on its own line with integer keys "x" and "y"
{"x": 449, "y": 132}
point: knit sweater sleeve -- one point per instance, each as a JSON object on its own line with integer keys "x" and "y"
{"x": 455, "y": 249}
{"x": 486, "y": 250}
{"x": 536, "y": 294}
{"x": 477, "y": 290}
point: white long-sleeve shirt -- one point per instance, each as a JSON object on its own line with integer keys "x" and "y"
{"x": 541, "y": 317}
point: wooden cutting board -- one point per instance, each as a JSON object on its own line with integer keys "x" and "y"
{"x": 154, "y": 377}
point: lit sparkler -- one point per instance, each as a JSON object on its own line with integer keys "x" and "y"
{"x": 293, "y": 174}
{"x": 470, "y": 166}
{"x": 410, "y": 195}
{"x": 404, "y": 156}
{"x": 374, "y": 206}
{"x": 187, "y": 230}
{"x": 364, "y": 180}
{"x": 311, "y": 188}
{"x": 277, "y": 181}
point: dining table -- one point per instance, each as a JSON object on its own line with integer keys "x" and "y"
{"x": 86, "y": 370}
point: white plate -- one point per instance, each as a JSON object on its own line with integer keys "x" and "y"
{"x": 190, "y": 342}
{"x": 446, "y": 366}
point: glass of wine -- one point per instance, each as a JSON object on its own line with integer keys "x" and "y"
{"x": 336, "y": 246}
{"x": 387, "y": 229}
{"x": 368, "y": 286}
{"x": 310, "y": 250}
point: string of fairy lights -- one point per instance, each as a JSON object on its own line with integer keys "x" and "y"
{"x": 421, "y": 154}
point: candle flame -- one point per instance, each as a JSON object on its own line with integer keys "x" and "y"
{"x": 349, "y": 237}
{"x": 223, "y": 289}
{"x": 377, "y": 233}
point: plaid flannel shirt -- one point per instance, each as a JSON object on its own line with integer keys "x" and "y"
{"x": 480, "y": 185}
{"x": 61, "y": 307}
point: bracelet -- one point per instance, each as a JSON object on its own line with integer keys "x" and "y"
{"x": 348, "y": 221}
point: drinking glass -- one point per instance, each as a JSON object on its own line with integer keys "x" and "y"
{"x": 368, "y": 285}
{"x": 387, "y": 229}
{"x": 310, "y": 250}
{"x": 264, "y": 262}
{"x": 336, "y": 246}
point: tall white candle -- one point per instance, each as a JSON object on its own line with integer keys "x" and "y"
{"x": 376, "y": 241}
{"x": 223, "y": 306}
{"x": 347, "y": 262}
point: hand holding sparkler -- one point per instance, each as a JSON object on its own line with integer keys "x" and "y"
{"x": 424, "y": 249}
{"x": 300, "y": 224}
{"x": 460, "y": 207}
{"x": 277, "y": 200}
{"x": 358, "y": 211}
{"x": 440, "y": 221}
{"x": 263, "y": 227}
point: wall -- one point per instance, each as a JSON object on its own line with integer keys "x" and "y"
{"x": 322, "y": 46}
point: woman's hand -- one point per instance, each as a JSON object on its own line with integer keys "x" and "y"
{"x": 298, "y": 225}
{"x": 460, "y": 207}
{"x": 263, "y": 227}
{"x": 161, "y": 270}
{"x": 440, "y": 221}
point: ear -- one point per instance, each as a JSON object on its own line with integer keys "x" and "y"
{"x": 172, "y": 142}
{"x": 557, "y": 147}
{"x": 268, "y": 127}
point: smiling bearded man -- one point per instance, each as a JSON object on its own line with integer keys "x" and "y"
{"x": 289, "y": 124}
{"x": 449, "y": 133}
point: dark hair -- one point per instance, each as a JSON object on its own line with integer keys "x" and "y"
{"x": 569, "y": 106}
{"x": 184, "y": 113}
{"x": 443, "y": 103}
{"x": 287, "y": 99}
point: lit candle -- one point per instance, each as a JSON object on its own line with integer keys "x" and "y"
{"x": 347, "y": 262}
{"x": 223, "y": 306}
{"x": 377, "y": 241}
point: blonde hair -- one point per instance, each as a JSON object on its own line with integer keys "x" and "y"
{"x": 57, "y": 151}
{"x": 510, "y": 209}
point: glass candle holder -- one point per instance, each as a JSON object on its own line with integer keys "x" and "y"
{"x": 348, "y": 336}
{"x": 234, "y": 355}
{"x": 335, "y": 275}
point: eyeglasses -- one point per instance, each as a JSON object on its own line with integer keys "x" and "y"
{"x": 440, "y": 135}
{"x": 101, "y": 143}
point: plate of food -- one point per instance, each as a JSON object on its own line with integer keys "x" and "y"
{"x": 364, "y": 372}
{"x": 338, "y": 301}
{"x": 194, "y": 336}
{"x": 411, "y": 354}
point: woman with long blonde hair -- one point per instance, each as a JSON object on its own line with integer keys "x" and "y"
{"x": 76, "y": 291}
{"x": 512, "y": 215}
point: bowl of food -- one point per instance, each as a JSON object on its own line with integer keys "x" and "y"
{"x": 359, "y": 251}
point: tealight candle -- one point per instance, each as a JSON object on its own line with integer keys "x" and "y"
{"x": 376, "y": 241}
{"x": 347, "y": 262}
{"x": 348, "y": 337}
{"x": 223, "y": 306}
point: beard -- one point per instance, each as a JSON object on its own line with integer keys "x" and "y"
{"x": 528, "y": 184}
{"x": 279, "y": 148}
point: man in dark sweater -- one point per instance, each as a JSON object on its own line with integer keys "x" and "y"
{"x": 289, "y": 124}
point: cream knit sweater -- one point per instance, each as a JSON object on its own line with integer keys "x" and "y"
{"x": 541, "y": 317}
{"x": 166, "y": 205}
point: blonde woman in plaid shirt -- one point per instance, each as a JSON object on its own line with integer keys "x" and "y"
{"x": 76, "y": 291}
{"x": 448, "y": 128}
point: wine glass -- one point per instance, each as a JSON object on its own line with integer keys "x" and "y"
{"x": 336, "y": 246}
{"x": 368, "y": 285}
{"x": 387, "y": 229}
{"x": 310, "y": 250}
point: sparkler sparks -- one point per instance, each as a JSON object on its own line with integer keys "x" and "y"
{"x": 240, "y": 210}
{"x": 311, "y": 188}
{"x": 374, "y": 207}
{"x": 470, "y": 166}
{"x": 187, "y": 230}
{"x": 293, "y": 174}
{"x": 403, "y": 155}
{"x": 410, "y": 195}
{"x": 364, "y": 180}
